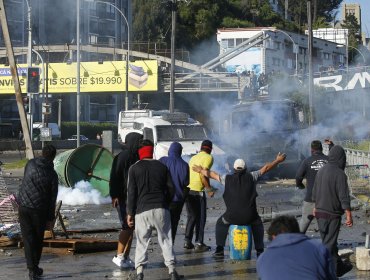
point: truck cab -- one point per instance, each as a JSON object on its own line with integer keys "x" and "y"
{"x": 163, "y": 128}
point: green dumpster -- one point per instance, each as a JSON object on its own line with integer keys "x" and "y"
{"x": 89, "y": 162}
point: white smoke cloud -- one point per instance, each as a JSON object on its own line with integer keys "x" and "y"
{"x": 81, "y": 194}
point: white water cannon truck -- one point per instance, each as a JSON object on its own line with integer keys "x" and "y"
{"x": 163, "y": 128}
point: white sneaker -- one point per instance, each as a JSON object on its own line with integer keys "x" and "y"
{"x": 123, "y": 263}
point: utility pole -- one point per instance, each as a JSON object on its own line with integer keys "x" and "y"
{"x": 29, "y": 64}
{"x": 310, "y": 62}
{"x": 173, "y": 33}
{"x": 78, "y": 74}
{"x": 17, "y": 88}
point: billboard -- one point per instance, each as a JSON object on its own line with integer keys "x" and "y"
{"x": 249, "y": 60}
{"x": 109, "y": 76}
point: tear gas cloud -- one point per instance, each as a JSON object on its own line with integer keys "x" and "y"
{"x": 339, "y": 116}
{"x": 81, "y": 194}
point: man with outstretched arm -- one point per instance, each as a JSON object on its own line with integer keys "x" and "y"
{"x": 240, "y": 200}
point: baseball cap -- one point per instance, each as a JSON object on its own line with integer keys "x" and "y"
{"x": 239, "y": 164}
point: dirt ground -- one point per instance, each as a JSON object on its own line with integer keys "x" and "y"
{"x": 274, "y": 197}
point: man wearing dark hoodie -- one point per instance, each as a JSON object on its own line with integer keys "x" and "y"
{"x": 118, "y": 192}
{"x": 331, "y": 196}
{"x": 308, "y": 169}
{"x": 292, "y": 255}
{"x": 179, "y": 170}
{"x": 36, "y": 198}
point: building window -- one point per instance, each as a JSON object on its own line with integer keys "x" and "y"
{"x": 230, "y": 43}
{"x": 277, "y": 45}
{"x": 93, "y": 39}
{"x": 239, "y": 41}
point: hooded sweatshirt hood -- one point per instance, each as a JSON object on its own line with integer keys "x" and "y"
{"x": 337, "y": 156}
{"x": 175, "y": 150}
{"x": 132, "y": 142}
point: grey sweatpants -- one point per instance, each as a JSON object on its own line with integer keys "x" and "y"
{"x": 145, "y": 222}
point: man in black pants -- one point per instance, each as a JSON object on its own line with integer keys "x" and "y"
{"x": 36, "y": 198}
{"x": 331, "y": 196}
{"x": 240, "y": 200}
{"x": 179, "y": 170}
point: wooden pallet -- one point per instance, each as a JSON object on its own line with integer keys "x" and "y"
{"x": 6, "y": 241}
{"x": 77, "y": 245}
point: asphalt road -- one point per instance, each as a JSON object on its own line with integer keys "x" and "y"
{"x": 274, "y": 197}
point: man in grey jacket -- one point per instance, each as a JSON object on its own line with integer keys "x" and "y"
{"x": 331, "y": 196}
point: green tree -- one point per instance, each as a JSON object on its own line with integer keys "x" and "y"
{"x": 354, "y": 35}
{"x": 297, "y": 10}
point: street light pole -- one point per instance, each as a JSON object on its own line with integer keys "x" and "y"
{"x": 128, "y": 46}
{"x": 78, "y": 74}
{"x": 173, "y": 36}
{"x": 29, "y": 64}
{"x": 310, "y": 63}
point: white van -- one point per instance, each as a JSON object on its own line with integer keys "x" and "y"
{"x": 55, "y": 131}
{"x": 163, "y": 128}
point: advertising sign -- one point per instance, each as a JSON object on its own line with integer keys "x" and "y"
{"x": 110, "y": 76}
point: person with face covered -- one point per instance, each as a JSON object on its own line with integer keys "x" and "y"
{"x": 118, "y": 192}
{"x": 150, "y": 191}
{"x": 331, "y": 197}
{"x": 179, "y": 170}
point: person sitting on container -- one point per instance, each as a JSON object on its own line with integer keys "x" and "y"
{"x": 240, "y": 199}
{"x": 293, "y": 255}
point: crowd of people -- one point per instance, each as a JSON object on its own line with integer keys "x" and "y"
{"x": 150, "y": 194}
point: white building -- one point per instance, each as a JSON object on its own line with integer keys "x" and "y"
{"x": 281, "y": 51}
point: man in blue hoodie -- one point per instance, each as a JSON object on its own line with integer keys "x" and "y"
{"x": 293, "y": 255}
{"x": 179, "y": 170}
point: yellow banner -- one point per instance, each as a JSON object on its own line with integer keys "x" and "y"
{"x": 110, "y": 76}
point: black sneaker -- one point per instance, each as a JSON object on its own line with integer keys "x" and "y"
{"x": 219, "y": 252}
{"x": 343, "y": 269}
{"x": 39, "y": 271}
{"x": 174, "y": 276}
{"x": 33, "y": 276}
{"x": 188, "y": 245}
{"x": 259, "y": 252}
{"x": 139, "y": 276}
{"x": 201, "y": 247}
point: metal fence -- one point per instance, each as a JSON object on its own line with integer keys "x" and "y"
{"x": 358, "y": 173}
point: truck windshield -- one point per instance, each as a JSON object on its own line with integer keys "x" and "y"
{"x": 180, "y": 132}
{"x": 263, "y": 118}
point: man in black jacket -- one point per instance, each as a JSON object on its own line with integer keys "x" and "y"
{"x": 331, "y": 196}
{"x": 240, "y": 201}
{"x": 118, "y": 192}
{"x": 36, "y": 198}
{"x": 150, "y": 191}
{"x": 308, "y": 169}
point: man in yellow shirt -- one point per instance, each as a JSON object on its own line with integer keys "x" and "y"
{"x": 196, "y": 203}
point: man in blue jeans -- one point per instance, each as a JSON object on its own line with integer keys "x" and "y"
{"x": 240, "y": 200}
